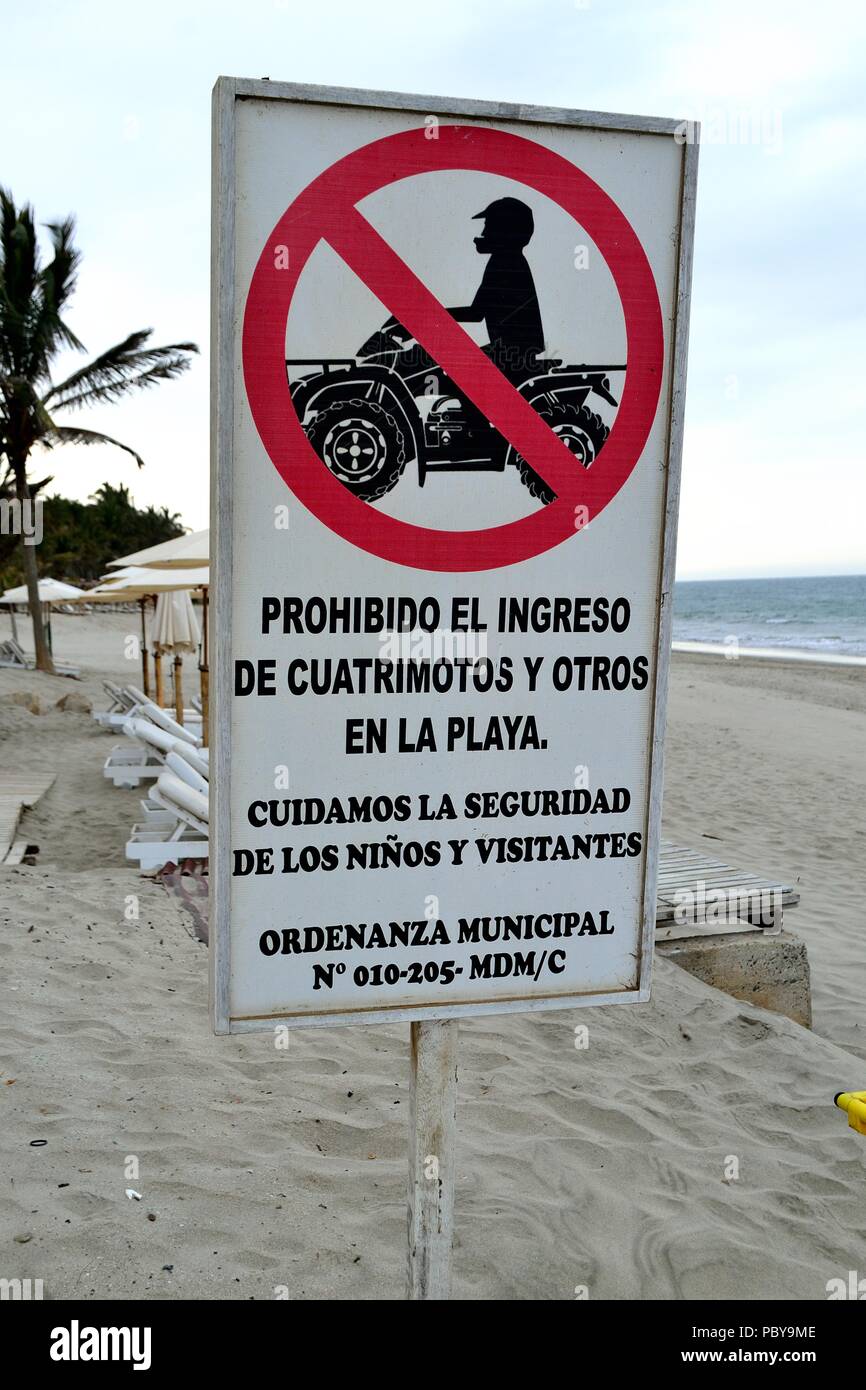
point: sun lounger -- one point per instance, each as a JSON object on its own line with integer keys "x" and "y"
{"x": 129, "y": 764}
{"x": 196, "y": 757}
{"x": 121, "y": 700}
{"x": 150, "y": 710}
{"x": 176, "y": 794}
{"x": 175, "y": 825}
{"x": 128, "y": 703}
{"x": 152, "y": 845}
{"x": 13, "y": 654}
{"x": 154, "y": 734}
{"x": 186, "y": 772}
{"x": 122, "y": 705}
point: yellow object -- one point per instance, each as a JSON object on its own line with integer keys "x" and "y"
{"x": 855, "y": 1103}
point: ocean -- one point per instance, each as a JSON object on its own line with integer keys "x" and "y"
{"x": 821, "y": 618}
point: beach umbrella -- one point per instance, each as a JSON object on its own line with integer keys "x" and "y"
{"x": 50, "y": 591}
{"x": 176, "y": 555}
{"x": 134, "y": 582}
{"x": 175, "y": 625}
{"x": 184, "y": 552}
{"x": 156, "y": 581}
{"x": 140, "y": 582}
{"x": 172, "y": 561}
{"x": 106, "y": 591}
{"x": 176, "y": 630}
{"x": 111, "y": 593}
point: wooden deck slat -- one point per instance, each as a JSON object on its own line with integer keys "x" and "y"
{"x": 719, "y": 877}
{"x": 707, "y": 864}
{"x": 709, "y": 889}
{"x": 707, "y": 871}
{"x": 682, "y": 869}
{"x": 17, "y": 791}
{"x": 719, "y": 892}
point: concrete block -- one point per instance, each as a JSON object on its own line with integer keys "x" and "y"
{"x": 769, "y": 970}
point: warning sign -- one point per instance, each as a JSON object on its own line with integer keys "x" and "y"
{"x": 450, "y": 351}
{"x": 327, "y": 209}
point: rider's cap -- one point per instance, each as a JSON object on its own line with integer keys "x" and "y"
{"x": 509, "y": 217}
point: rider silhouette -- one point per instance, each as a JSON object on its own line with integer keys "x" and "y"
{"x": 506, "y": 298}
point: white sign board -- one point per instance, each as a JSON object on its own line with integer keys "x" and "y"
{"x": 449, "y": 363}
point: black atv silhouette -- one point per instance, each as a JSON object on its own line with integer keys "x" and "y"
{"x": 367, "y": 416}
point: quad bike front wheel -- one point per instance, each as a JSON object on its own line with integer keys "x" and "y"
{"x": 580, "y": 429}
{"x": 362, "y": 445}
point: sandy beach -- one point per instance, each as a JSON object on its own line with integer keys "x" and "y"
{"x": 261, "y": 1169}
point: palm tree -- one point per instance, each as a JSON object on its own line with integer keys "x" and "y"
{"x": 33, "y": 296}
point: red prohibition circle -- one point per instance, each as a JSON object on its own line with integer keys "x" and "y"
{"x": 324, "y": 210}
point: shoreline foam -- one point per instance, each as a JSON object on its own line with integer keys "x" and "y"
{"x": 820, "y": 658}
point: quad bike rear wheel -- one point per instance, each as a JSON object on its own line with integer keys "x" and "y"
{"x": 362, "y": 445}
{"x": 580, "y": 429}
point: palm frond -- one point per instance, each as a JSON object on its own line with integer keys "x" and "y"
{"x": 18, "y": 281}
{"x": 70, "y": 434}
{"x": 18, "y": 253}
{"x": 128, "y": 366}
{"x": 57, "y": 282}
{"x": 32, "y": 296}
{"x": 62, "y": 272}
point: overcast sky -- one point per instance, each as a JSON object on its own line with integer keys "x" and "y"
{"x": 105, "y": 112}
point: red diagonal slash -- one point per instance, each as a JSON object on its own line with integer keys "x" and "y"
{"x": 413, "y": 305}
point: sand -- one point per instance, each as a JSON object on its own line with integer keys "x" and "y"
{"x": 262, "y": 1170}
{"x": 768, "y": 760}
